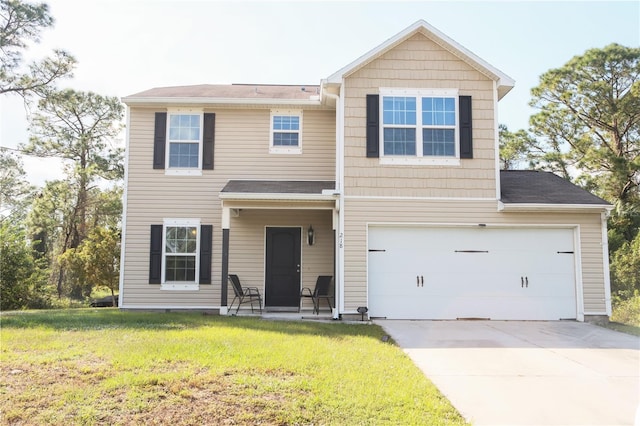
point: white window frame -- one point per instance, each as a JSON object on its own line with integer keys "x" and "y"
{"x": 180, "y": 285}
{"x": 184, "y": 171}
{"x": 278, "y": 149}
{"x": 419, "y": 158}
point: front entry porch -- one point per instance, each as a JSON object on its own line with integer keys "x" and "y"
{"x": 278, "y": 242}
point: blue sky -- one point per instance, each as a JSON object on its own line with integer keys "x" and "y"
{"x": 124, "y": 47}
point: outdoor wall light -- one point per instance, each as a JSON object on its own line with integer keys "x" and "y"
{"x": 310, "y": 235}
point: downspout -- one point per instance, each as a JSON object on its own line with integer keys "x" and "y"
{"x": 339, "y": 245}
{"x": 496, "y": 131}
{"x": 123, "y": 232}
{"x": 605, "y": 261}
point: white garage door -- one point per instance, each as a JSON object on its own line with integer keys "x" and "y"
{"x": 451, "y": 273}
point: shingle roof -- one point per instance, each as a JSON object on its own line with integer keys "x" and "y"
{"x": 277, "y": 186}
{"x": 538, "y": 187}
{"x": 233, "y": 91}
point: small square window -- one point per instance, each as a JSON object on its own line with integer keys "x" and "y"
{"x": 286, "y": 132}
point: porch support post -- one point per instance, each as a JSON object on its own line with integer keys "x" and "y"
{"x": 226, "y": 224}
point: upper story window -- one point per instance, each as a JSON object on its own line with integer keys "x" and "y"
{"x": 419, "y": 126}
{"x": 184, "y": 140}
{"x": 286, "y": 132}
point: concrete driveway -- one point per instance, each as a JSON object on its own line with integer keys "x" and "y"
{"x": 527, "y": 373}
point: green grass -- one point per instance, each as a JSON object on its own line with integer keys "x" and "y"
{"x": 104, "y": 366}
{"x": 624, "y": 328}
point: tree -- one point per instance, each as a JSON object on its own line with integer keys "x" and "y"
{"x": 625, "y": 269}
{"x": 51, "y": 223}
{"x": 589, "y": 120}
{"x": 589, "y": 127}
{"x": 19, "y": 283}
{"x": 80, "y": 127}
{"x": 516, "y": 148}
{"x": 14, "y": 188}
{"x": 21, "y": 23}
{"x": 97, "y": 259}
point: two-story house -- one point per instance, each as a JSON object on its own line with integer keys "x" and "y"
{"x": 385, "y": 176}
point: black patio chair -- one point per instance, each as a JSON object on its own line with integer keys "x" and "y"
{"x": 244, "y": 295}
{"x": 321, "y": 291}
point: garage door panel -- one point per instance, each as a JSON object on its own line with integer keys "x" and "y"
{"x": 449, "y": 273}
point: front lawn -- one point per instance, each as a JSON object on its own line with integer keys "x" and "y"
{"x": 104, "y": 366}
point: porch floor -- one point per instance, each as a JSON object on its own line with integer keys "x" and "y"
{"x": 287, "y": 316}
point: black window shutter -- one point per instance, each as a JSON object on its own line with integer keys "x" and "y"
{"x": 373, "y": 134}
{"x": 159, "y": 140}
{"x": 206, "y": 244}
{"x": 466, "y": 139}
{"x": 155, "y": 256}
{"x": 208, "y": 135}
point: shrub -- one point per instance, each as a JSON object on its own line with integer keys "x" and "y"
{"x": 628, "y": 311}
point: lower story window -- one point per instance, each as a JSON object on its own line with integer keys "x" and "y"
{"x": 181, "y": 251}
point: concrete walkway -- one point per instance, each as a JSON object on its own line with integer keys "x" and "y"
{"x": 527, "y": 373}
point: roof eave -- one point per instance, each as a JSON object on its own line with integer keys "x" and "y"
{"x": 539, "y": 207}
{"x": 267, "y": 196}
{"x": 141, "y": 101}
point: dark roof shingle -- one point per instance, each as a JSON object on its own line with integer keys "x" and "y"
{"x": 538, "y": 187}
{"x": 277, "y": 186}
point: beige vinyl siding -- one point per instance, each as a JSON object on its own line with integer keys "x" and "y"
{"x": 241, "y": 152}
{"x": 360, "y": 212}
{"x": 419, "y": 63}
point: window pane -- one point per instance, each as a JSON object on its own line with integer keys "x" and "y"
{"x": 286, "y": 122}
{"x": 183, "y": 155}
{"x": 399, "y": 141}
{"x": 438, "y": 142}
{"x": 190, "y": 268}
{"x": 285, "y": 139}
{"x": 180, "y": 268}
{"x": 399, "y": 110}
{"x": 181, "y": 239}
{"x": 449, "y": 104}
{"x": 289, "y": 126}
{"x": 438, "y": 111}
{"x": 450, "y": 118}
{"x": 170, "y": 270}
{"x": 184, "y": 127}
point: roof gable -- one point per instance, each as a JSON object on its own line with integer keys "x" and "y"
{"x": 504, "y": 82}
